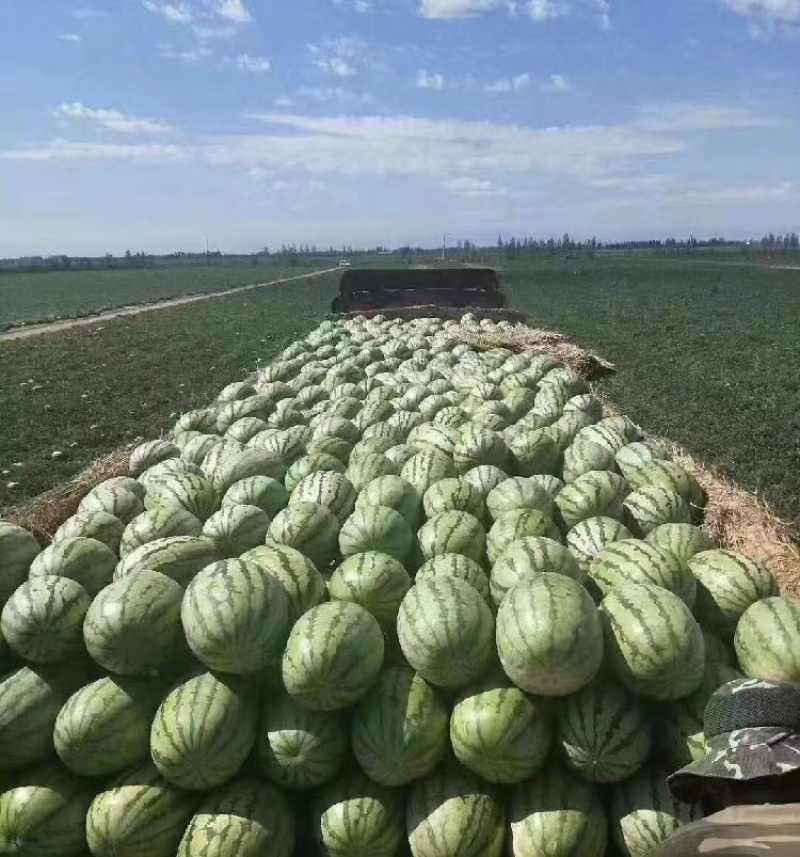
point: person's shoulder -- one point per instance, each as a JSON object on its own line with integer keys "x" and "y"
{"x": 741, "y": 831}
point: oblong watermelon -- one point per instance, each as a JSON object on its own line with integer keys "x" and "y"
{"x": 178, "y": 557}
{"x": 767, "y": 640}
{"x": 86, "y": 561}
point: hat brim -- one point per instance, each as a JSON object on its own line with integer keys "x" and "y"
{"x": 746, "y": 754}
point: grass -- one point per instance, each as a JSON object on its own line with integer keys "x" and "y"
{"x": 48, "y": 296}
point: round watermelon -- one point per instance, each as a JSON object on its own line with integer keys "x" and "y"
{"x": 456, "y": 565}
{"x": 236, "y": 529}
{"x": 518, "y": 493}
{"x": 376, "y": 528}
{"x": 517, "y": 524}
{"x": 160, "y": 522}
{"x": 454, "y": 495}
{"x": 376, "y": 581}
{"x": 86, "y": 561}
{"x": 393, "y": 493}
{"x": 524, "y": 558}
{"x": 308, "y": 527}
{"x": 452, "y": 532}
{"x": 262, "y": 491}
{"x": 767, "y": 640}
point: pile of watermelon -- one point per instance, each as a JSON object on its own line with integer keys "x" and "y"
{"x": 397, "y": 595}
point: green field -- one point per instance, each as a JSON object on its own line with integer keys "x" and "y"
{"x": 708, "y": 354}
{"x": 71, "y": 294}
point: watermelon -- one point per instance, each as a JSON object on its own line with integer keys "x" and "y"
{"x": 200, "y": 419}
{"x": 147, "y": 454}
{"x": 453, "y": 495}
{"x": 608, "y": 436}
{"x": 637, "y": 455}
{"x": 262, "y": 491}
{"x": 670, "y": 474}
{"x": 356, "y": 816}
{"x": 437, "y": 438}
{"x": 534, "y": 452}
{"x": 376, "y": 528}
{"x": 683, "y": 540}
{"x": 225, "y": 467}
{"x": 246, "y": 818}
{"x": 102, "y": 526}
{"x": 518, "y": 524}
{"x": 767, "y": 640}
{"x": 195, "y": 446}
{"x": 167, "y": 470}
{"x": 363, "y": 470}
{"x": 329, "y": 489}
{"x": 655, "y": 646}
{"x": 177, "y": 557}
{"x": 308, "y": 464}
{"x": 478, "y": 445}
{"x": 727, "y": 584}
{"x": 252, "y": 407}
{"x": 452, "y": 813}
{"x": 498, "y": 732}
{"x": 604, "y": 733}
{"x": 161, "y": 522}
{"x": 244, "y": 429}
{"x": 43, "y": 814}
{"x": 204, "y": 730}
{"x": 235, "y": 617}
{"x": 581, "y": 458}
{"x": 456, "y": 565}
{"x": 549, "y": 636}
{"x": 399, "y": 454}
{"x": 590, "y": 538}
{"x": 195, "y": 494}
{"x": 104, "y": 728}
{"x": 297, "y": 748}
{"x": 653, "y": 505}
{"x": 518, "y": 493}
{"x": 557, "y": 814}
{"x": 427, "y": 467}
{"x": 337, "y": 427}
{"x": 399, "y": 729}
{"x": 333, "y": 656}
{"x": 303, "y": 584}
{"x": 43, "y": 620}
{"x": 598, "y": 493}
{"x": 334, "y": 446}
{"x": 114, "y": 499}
{"x": 139, "y": 814}
{"x": 133, "y": 627}
{"x": 236, "y": 529}
{"x": 446, "y": 629}
{"x": 644, "y": 814}
{"x": 308, "y": 527}
{"x": 394, "y": 493}
{"x": 374, "y": 580}
{"x": 524, "y": 558}
{"x": 235, "y": 391}
{"x": 452, "y": 532}
{"x": 485, "y": 477}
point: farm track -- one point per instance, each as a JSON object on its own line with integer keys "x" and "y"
{"x": 69, "y": 323}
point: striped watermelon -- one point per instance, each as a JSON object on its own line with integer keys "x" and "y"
{"x": 114, "y": 499}
{"x": 652, "y": 506}
{"x": 255, "y": 406}
{"x": 126, "y": 482}
{"x": 246, "y": 818}
{"x": 297, "y": 748}
{"x": 376, "y": 445}
{"x": 195, "y": 446}
{"x": 683, "y": 540}
{"x": 334, "y": 446}
{"x": 329, "y": 489}
{"x": 452, "y": 813}
{"x": 519, "y": 492}
{"x": 308, "y": 527}
{"x": 644, "y": 814}
{"x": 376, "y": 528}
{"x": 767, "y": 640}
{"x": 604, "y": 434}
{"x": 394, "y": 493}
{"x": 456, "y": 495}
{"x": 437, "y": 438}
{"x": 333, "y": 656}
{"x": 585, "y": 457}
{"x": 200, "y": 419}
{"x": 204, "y": 730}
{"x": 477, "y": 445}
{"x": 498, "y": 732}
{"x": 195, "y": 494}
{"x": 518, "y": 524}
{"x": 147, "y": 454}
{"x": 235, "y": 391}
{"x": 337, "y": 427}
{"x": 43, "y": 814}
{"x": 427, "y": 467}
{"x": 446, "y": 631}
{"x": 550, "y": 484}
{"x": 133, "y": 627}
{"x": 527, "y": 557}
{"x": 634, "y": 561}
{"x": 557, "y": 814}
{"x": 655, "y": 647}
{"x": 590, "y": 538}
{"x": 534, "y": 452}
{"x": 236, "y": 529}
{"x": 587, "y": 403}
{"x": 235, "y": 617}
{"x": 376, "y": 581}
{"x": 363, "y": 470}
{"x": 30, "y": 699}
{"x": 598, "y": 493}
{"x": 670, "y": 474}
{"x": 485, "y": 477}
{"x": 727, "y": 584}
{"x": 225, "y": 468}
{"x": 356, "y": 816}
{"x": 453, "y": 532}
{"x": 104, "y": 728}
{"x": 43, "y": 620}
{"x": 638, "y": 455}
{"x": 165, "y": 470}
{"x": 456, "y": 565}
{"x": 564, "y": 429}
{"x": 549, "y": 636}
{"x": 139, "y": 815}
{"x": 92, "y": 525}
{"x": 450, "y": 416}
{"x": 161, "y": 522}
{"x": 86, "y": 561}
{"x": 244, "y": 429}
{"x": 604, "y": 733}
{"x": 178, "y": 557}
{"x": 399, "y": 729}
{"x": 262, "y": 491}
{"x": 319, "y": 462}
{"x": 399, "y": 454}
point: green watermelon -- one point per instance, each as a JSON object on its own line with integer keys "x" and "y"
{"x": 104, "y": 728}
{"x": 604, "y": 733}
{"x": 333, "y": 656}
{"x": 590, "y": 538}
{"x": 452, "y": 532}
{"x": 549, "y": 636}
{"x": 498, "y": 732}
{"x": 308, "y": 464}
{"x": 225, "y": 467}
{"x": 670, "y": 474}
{"x": 195, "y": 494}
{"x": 767, "y": 640}
{"x": 204, "y": 730}
{"x": 177, "y": 557}
{"x": 683, "y": 540}
{"x": 173, "y": 468}
{"x": 308, "y": 527}
{"x": 43, "y": 620}
{"x": 456, "y": 565}
{"x": 86, "y": 561}
{"x": 454, "y": 495}
{"x": 236, "y": 391}
{"x": 581, "y": 458}
{"x": 476, "y": 446}
{"x": 329, "y": 489}
{"x": 236, "y": 529}
{"x": 374, "y": 580}
{"x": 102, "y": 526}
{"x": 524, "y": 558}
{"x": 114, "y": 499}
{"x": 376, "y": 528}
{"x": 598, "y": 493}
{"x": 147, "y": 454}
{"x": 534, "y": 452}
{"x": 235, "y": 617}
{"x": 485, "y": 477}
{"x": 655, "y": 647}
{"x": 452, "y": 813}
{"x": 637, "y": 455}
{"x": 133, "y": 627}
{"x": 297, "y": 748}
{"x": 139, "y": 815}
{"x": 244, "y": 429}
{"x": 399, "y": 729}
{"x": 653, "y": 505}
{"x": 518, "y": 493}
{"x": 363, "y": 470}
{"x": 337, "y": 427}
{"x": 518, "y": 524}
{"x": 394, "y": 493}
{"x": 262, "y": 491}
{"x": 160, "y": 522}
{"x": 425, "y": 468}
{"x": 557, "y": 814}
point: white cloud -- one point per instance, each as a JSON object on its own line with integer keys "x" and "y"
{"x": 546, "y": 10}
{"x": 175, "y": 13}
{"x": 557, "y": 83}
{"x": 70, "y": 37}
{"x": 699, "y": 117}
{"x": 341, "y": 57}
{"x": 539, "y": 11}
{"x": 234, "y": 11}
{"x": 513, "y": 84}
{"x": 65, "y": 150}
{"x": 426, "y": 80}
{"x": 205, "y": 31}
{"x": 452, "y": 10}
{"x": 780, "y": 11}
{"x": 283, "y": 101}
{"x": 254, "y": 65}
{"x": 190, "y": 56}
{"x": 362, "y": 6}
{"x": 471, "y": 187}
{"x": 111, "y": 120}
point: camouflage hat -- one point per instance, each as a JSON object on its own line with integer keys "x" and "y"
{"x": 752, "y": 730}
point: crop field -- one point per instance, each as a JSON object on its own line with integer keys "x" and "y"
{"x": 41, "y": 297}
{"x": 708, "y": 354}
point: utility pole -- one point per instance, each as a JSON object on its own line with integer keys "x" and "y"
{"x": 444, "y": 244}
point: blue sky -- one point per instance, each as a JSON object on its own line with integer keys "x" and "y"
{"x": 154, "y": 125}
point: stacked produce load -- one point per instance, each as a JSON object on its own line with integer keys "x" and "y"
{"x": 396, "y": 595}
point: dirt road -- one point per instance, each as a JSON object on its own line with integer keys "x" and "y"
{"x": 69, "y": 323}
